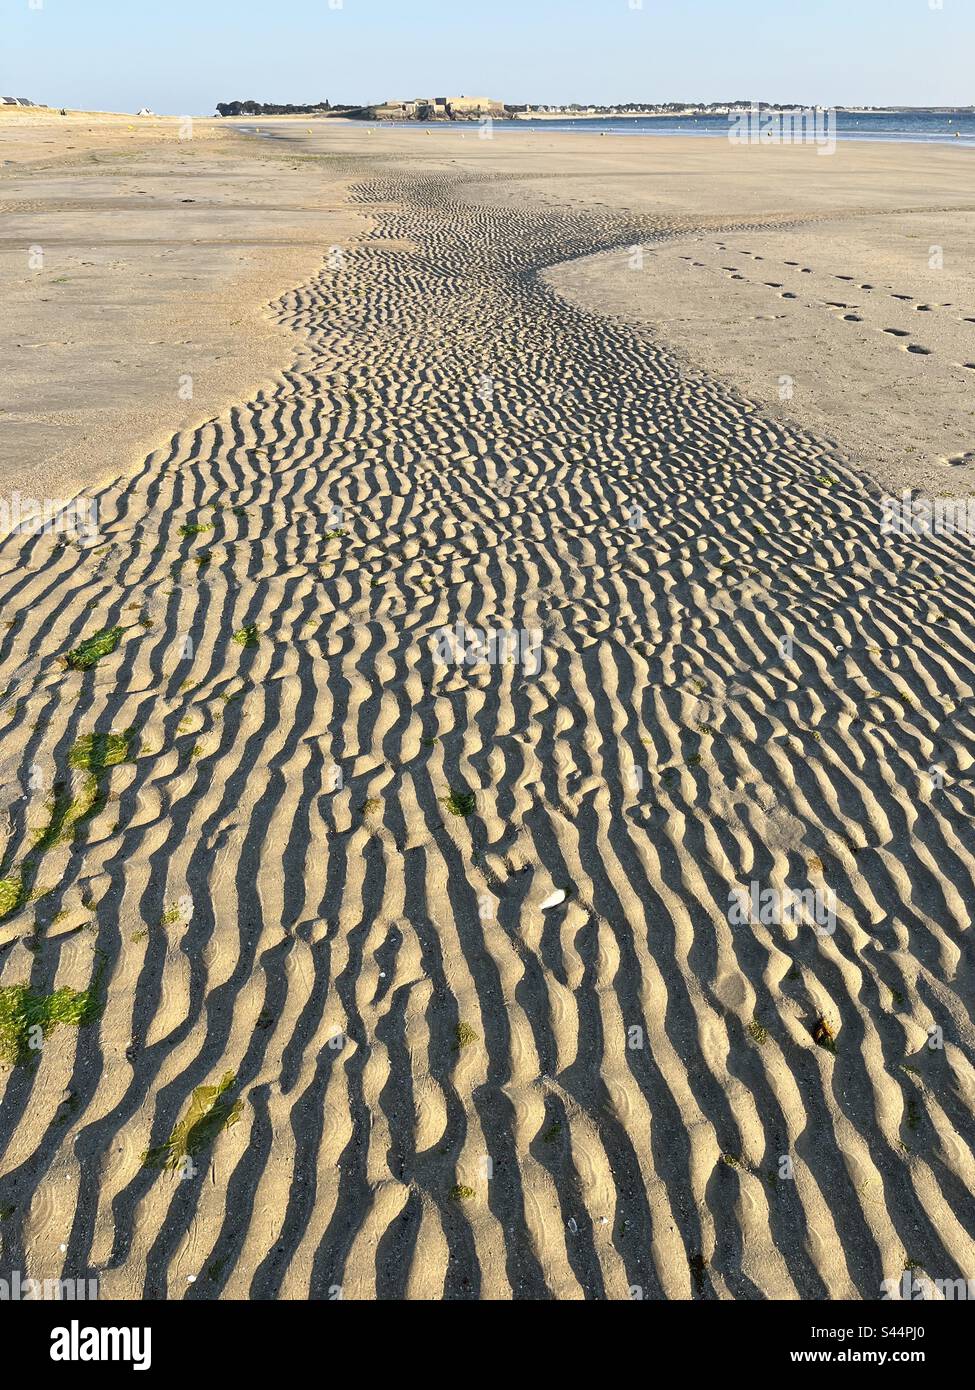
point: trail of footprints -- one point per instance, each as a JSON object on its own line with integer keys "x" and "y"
{"x": 448, "y": 1090}
{"x": 847, "y": 311}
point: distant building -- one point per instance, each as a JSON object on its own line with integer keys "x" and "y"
{"x": 474, "y": 106}
{"x": 436, "y": 109}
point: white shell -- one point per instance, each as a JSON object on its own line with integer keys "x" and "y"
{"x": 554, "y": 899}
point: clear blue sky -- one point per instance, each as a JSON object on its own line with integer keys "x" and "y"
{"x": 183, "y": 56}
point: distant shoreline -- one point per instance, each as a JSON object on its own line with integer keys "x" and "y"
{"x": 693, "y": 113}
{"x": 925, "y": 128}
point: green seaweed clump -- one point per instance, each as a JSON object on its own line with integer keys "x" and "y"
{"x": 460, "y": 803}
{"x": 88, "y": 653}
{"x": 247, "y": 636}
{"x": 22, "y": 1011}
{"x": 823, "y": 1035}
{"x": 96, "y": 752}
{"x": 65, "y": 812}
{"x": 11, "y": 895}
{"x": 211, "y": 1111}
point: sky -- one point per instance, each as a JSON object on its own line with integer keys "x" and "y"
{"x": 183, "y": 56}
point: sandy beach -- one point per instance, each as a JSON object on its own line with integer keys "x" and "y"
{"x": 138, "y": 260}
{"x": 397, "y": 773}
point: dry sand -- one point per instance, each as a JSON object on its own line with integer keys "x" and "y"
{"x": 137, "y": 263}
{"x": 438, "y": 1086}
{"x": 861, "y": 329}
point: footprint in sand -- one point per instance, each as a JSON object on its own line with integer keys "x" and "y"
{"x": 847, "y": 318}
{"x": 958, "y": 460}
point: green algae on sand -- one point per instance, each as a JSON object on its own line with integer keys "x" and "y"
{"x": 96, "y": 752}
{"x": 460, "y": 802}
{"x": 89, "y": 652}
{"x": 210, "y": 1112}
{"x": 22, "y": 1012}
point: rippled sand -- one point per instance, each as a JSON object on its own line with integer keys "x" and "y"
{"x": 438, "y": 1086}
